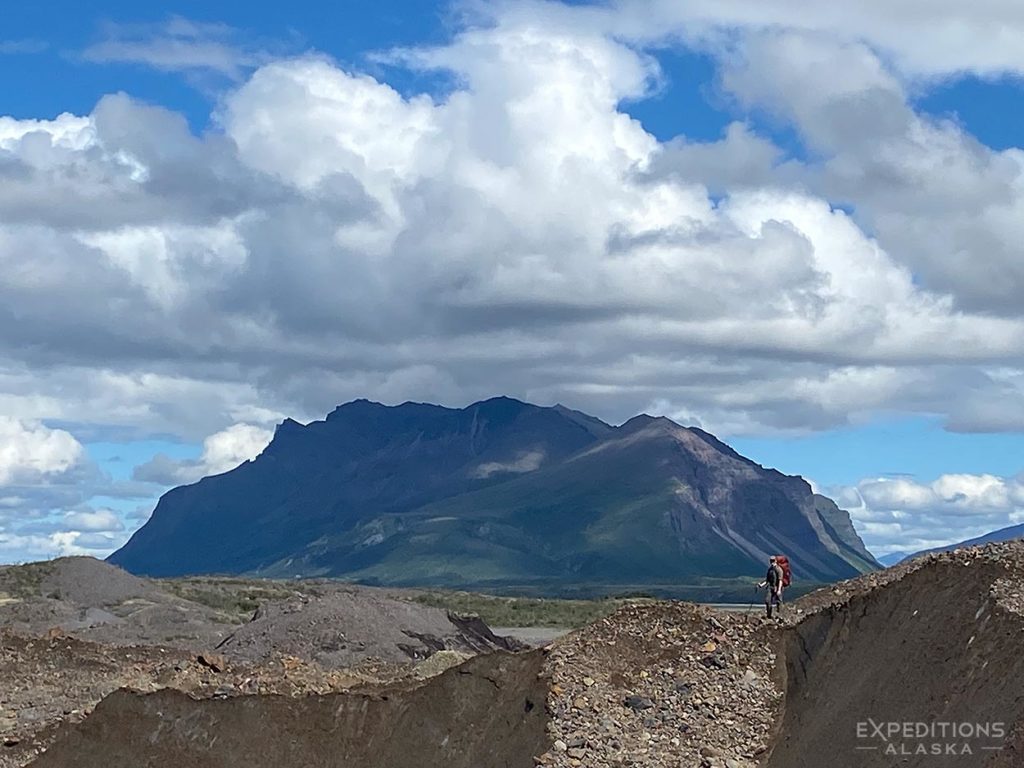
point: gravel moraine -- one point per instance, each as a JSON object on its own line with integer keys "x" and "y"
{"x": 667, "y": 684}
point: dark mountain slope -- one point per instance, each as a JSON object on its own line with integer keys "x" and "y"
{"x": 500, "y": 492}
{"x": 656, "y": 503}
{"x": 325, "y": 477}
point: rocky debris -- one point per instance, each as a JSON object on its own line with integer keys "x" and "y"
{"x": 638, "y": 703}
{"x": 439, "y": 662}
{"x": 214, "y": 661}
{"x": 59, "y": 656}
{"x": 51, "y": 683}
{"x": 1007, "y": 555}
{"x": 331, "y": 624}
{"x": 649, "y": 656}
{"x": 337, "y": 629}
{"x": 664, "y": 684}
{"x": 48, "y": 682}
{"x": 91, "y": 583}
{"x": 95, "y": 601}
{"x": 488, "y": 713}
{"x": 933, "y": 641}
{"x": 660, "y": 685}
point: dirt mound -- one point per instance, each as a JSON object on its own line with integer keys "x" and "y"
{"x": 50, "y": 683}
{"x": 486, "y": 713}
{"x": 339, "y": 628}
{"x": 78, "y": 581}
{"x": 920, "y": 667}
{"x": 99, "y": 602}
{"x": 665, "y": 684}
{"x": 328, "y": 623}
{"x": 660, "y": 684}
{"x": 933, "y": 645}
{"x": 85, "y": 581}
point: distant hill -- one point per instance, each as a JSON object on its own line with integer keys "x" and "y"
{"x": 894, "y": 557}
{"x": 1003, "y": 534}
{"x": 496, "y": 494}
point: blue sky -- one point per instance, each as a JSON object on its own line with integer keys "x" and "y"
{"x": 51, "y": 76}
{"x": 61, "y": 81}
{"x": 907, "y": 372}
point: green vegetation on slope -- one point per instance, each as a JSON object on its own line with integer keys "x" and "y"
{"x": 523, "y": 611}
{"x": 22, "y": 581}
{"x": 232, "y": 596}
{"x": 423, "y": 496}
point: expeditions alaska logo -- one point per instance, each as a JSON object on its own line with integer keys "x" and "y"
{"x": 924, "y": 738}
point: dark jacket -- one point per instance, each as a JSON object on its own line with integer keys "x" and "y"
{"x": 773, "y": 579}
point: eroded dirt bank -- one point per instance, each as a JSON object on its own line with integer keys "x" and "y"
{"x": 658, "y": 685}
{"x": 487, "y": 713}
{"x": 872, "y": 680}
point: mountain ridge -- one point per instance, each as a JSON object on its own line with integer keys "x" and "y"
{"x": 499, "y": 492}
{"x": 1009, "y": 533}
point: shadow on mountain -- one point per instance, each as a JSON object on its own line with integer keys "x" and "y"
{"x": 498, "y": 495}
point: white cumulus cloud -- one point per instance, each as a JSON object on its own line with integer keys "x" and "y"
{"x": 521, "y": 234}
{"x": 94, "y": 521}
{"x": 333, "y": 236}
{"x": 222, "y": 452}
{"x": 32, "y": 453}
{"x": 904, "y": 514}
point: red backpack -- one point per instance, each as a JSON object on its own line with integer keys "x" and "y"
{"x": 787, "y": 574}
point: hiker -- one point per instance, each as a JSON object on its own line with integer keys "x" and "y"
{"x": 772, "y": 585}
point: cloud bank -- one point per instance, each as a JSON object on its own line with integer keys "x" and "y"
{"x": 332, "y": 237}
{"x": 222, "y": 452}
{"x": 905, "y": 515}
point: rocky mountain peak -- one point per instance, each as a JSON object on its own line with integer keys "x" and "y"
{"x": 501, "y": 491}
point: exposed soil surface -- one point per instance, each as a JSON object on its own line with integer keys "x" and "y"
{"x": 52, "y": 682}
{"x": 74, "y": 630}
{"x": 333, "y": 624}
{"x": 496, "y": 700}
{"x": 663, "y": 685}
{"x": 669, "y": 684}
{"x": 930, "y": 652}
{"x": 339, "y": 628}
